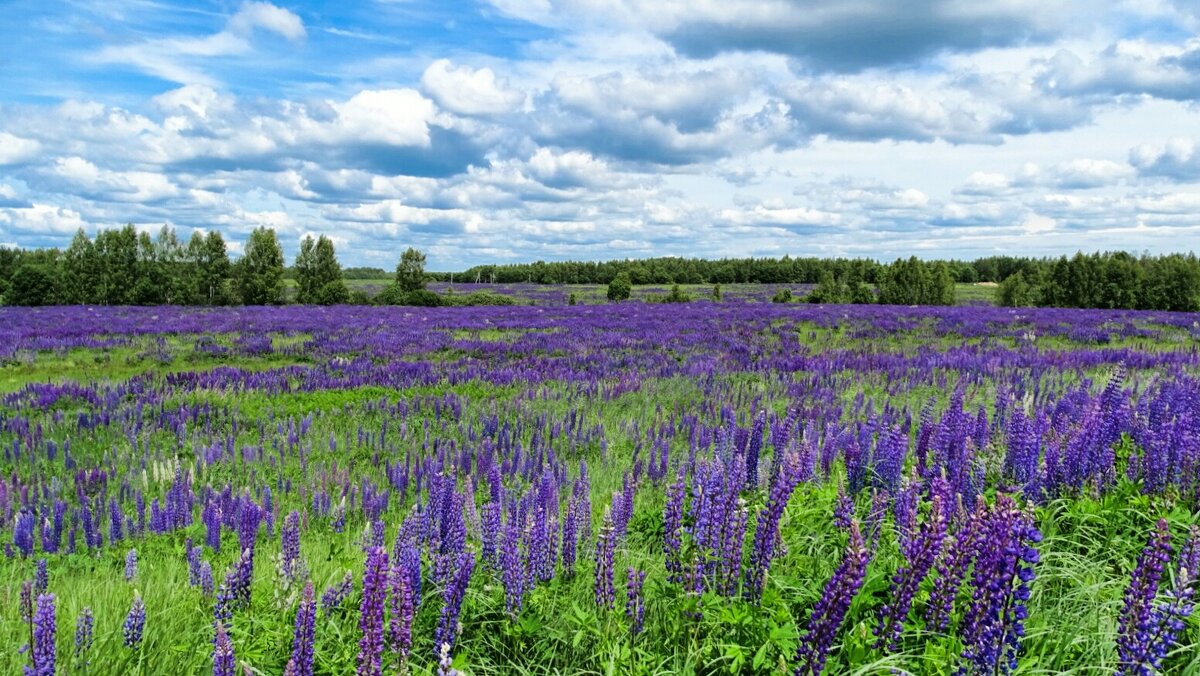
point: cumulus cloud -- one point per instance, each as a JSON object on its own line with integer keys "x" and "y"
{"x": 468, "y": 91}
{"x": 14, "y": 149}
{"x": 1178, "y": 159}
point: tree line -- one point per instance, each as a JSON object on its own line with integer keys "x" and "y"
{"x": 123, "y": 266}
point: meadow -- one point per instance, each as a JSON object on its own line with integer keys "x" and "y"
{"x": 702, "y": 488}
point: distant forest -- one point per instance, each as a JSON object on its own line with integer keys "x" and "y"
{"x": 126, "y": 267}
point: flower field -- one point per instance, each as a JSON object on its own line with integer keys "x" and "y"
{"x": 737, "y": 487}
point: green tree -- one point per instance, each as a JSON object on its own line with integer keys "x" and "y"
{"x": 1015, "y": 291}
{"x": 259, "y": 272}
{"x": 318, "y": 273}
{"x": 81, "y": 271}
{"x": 32, "y": 284}
{"x": 620, "y": 288}
{"x": 120, "y": 272}
{"x": 410, "y": 271}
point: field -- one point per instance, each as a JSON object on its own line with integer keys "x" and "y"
{"x": 735, "y": 487}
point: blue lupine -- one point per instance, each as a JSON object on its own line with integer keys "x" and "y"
{"x": 135, "y": 623}
{"x": 301, "y": 663}
{"x": 920, "y": 553}
{"x": 45, "y": 629}
{"x": 131, "y": 565}
{"x": 370, "y": 622}
{"x": 85, "y": 625}
{"x": 635, "y": 604}
{"x": 1140, "y": 620}
{"x": 605, "y": 548}
{"x": 827, "y": 616}
{"x": 452, "y": 599}
{"x": 224, "y": 662}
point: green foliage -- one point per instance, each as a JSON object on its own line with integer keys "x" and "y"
{"x": 32, "y": 284}
{"x": 410, "y": 271}
{"x": 916, "y": 282}
{"x": 620, "y": 288}
{"x": 477, "y": 298}
{"x": 782, "y": 296}
{"x": 1015, "y": 292}
{"x": 259, "y": 272}
{"x": 676, "y": 295}
{"x": 829, "y": 290}
{"x": 571, "y": 300}
{"x": 393, "y": 294}
{"x": 318, "y": 274}
{"x": 716, "y": 292}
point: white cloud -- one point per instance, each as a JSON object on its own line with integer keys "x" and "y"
{"x": 14, "y": 149}
{"x": 468, "y": 91}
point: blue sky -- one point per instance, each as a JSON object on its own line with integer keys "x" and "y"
{"x": 515, "y": 130}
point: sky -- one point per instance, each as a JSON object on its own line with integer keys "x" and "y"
{"x": 517, "y": 130}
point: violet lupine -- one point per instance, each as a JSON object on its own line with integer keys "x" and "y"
{"x": 224, "y": 662}
{"x": 301, "y": 663}
{"x": 635, "y": 603}
{"x": 452, "y": 599}
{"x": 673, "y": 528}
{"x": 766, "y": 534}
{"x": 606, "y": 543}
{"x": 512, "y": 567}
{"x": 42, "y": 652}
{"x": 1140, "y": 619}
{"x": 135, "y": 623}
{"x": 41, "y": 577}
{"x": 212, "y": 526}
{"x": 23, "y": 532}
{"x": 952, "y": 568}
{"x": 194, "y": 555}
{"x": 920, "y": 553}
{"x": 85, "y": 625}
{"x": 131, "y": 565}
{"x": 843, "y": 511}
{"x": 995, "y": 622}
{"x": 445, "y": 664}
{"x": 205, "y": 578}
{"x": 289, "y": 535}
{"x": 26, "y": 601}
{"x": 400, "y": 627}
{"x": 335, "y": 594}
{"x": 753, "y": 448}
{"x": 830, "y": 611}
{"x": 730, "y": 569}
{"x": 370, "y": 621}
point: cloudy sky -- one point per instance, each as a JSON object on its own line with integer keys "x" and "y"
{"x": 515, "y": 130}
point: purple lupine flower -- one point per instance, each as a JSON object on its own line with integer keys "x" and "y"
{"x": 830, "y": 611}
{"x": 1137, "y": 624}
{"x": 570, "y": 537}
{"x": 289, "y": 535}
{"x": 605, "y": 548}
{"x": 211, "y": 515}
{"x": 512, "y": 568}
{"x": 115, "y": 520}
{"x": 673, "y": 527}
{"x": 452, "y": 599}
{"x": 85, "y": 625}
{"x": 26, "y": 601}
{"x": 753, "y": 448}
{"x": 734, "y": 535}
{"x": 489, "y": 554}
{"x": 370, "y": 622}
{"x": 635, "y": 604}
{"x": 239, "y": 578}
{"x": 1169, "y": 618}
{"x": 45, "y": 629}
{"x": 131, "y": 565}
{"x": 445, "y": 664}
{"x": 400, "y": 627}
{"x": 843, "y": 511}
{"x": 135, "y": 623}
{"x": 995, "y": 622}
{"x": 41, "y": 577}
{"x": 920, "y": 553}
{"x": 205, "y": 578}
{"x": 224, "y": 663}
{"x": 766, "y": 534}
{"x": 952, "y": 567}
{"x": 301, "y": 663}
{"x": 335, "y": 594}
{"x": 23, "y": 532}
{"x": 193, "y": 559}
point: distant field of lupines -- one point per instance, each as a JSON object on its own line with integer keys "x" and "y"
{"x": 744, "y": 488}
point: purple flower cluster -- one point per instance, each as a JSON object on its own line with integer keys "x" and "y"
{"x": 301, "y": 662}
{"x": 1149, "y": 626}
{"x": 827, "y": 616}
{"x": 370, "y": 622}
{"x": 635, "y": 603}
{"x": 135, "y": 623}
{"x": 224, "y": 663}
{"x": 920, "y": 553}
{"x": 606, "y": 544}
{"x": 994, "y": 623}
